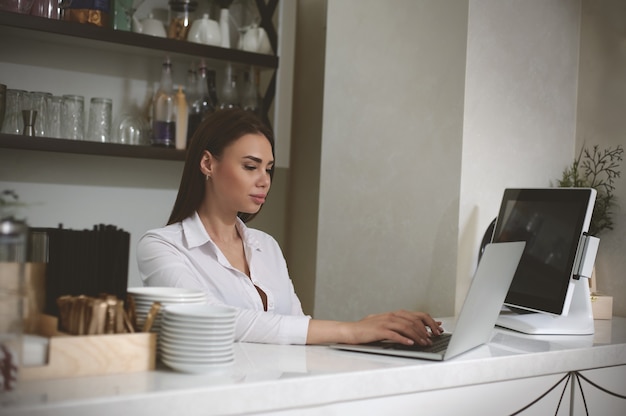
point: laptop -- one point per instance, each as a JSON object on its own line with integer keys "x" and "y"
{"x": 478, "y": 315}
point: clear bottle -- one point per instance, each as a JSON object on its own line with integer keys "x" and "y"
{"x": 164, "y": 110}
{"x": 203, "y": 104}
{"x": 229, "y": 96}
{"x": 191, "y": 85}
{"x": 251, "y": 99}
{"x": 181, "y": 119}
{"x": 211, "y": 83}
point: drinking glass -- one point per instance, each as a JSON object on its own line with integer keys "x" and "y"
{"x": 16, "y": 102}
{"x": 39, "y": 102}
{"x": 73, "y": 117}
{"x": 99, "y": 127}
{"x": 131, "y": 129}
{"x": 19, "y": 6}
{"x": 54, "y": 117}
{"x": 3, "y": 103}
{"x": 45, "y": 8}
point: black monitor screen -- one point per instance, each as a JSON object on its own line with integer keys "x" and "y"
{"x": 551, "y": 221}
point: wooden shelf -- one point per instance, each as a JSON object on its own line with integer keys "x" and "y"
{"x": 12, "y": 141}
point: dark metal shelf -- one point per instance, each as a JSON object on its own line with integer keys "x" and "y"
{"x": 47, "y": 144}
{"x": 73, "y": 33}
{"x": 16, "y": 25}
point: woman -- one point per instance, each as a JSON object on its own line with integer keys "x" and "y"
{"x": 206, "y": 244}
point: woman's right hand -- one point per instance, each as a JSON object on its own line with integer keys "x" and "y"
{"x": 405, "y": 327}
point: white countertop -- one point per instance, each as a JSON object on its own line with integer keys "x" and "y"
{"x": 272, "y": 377}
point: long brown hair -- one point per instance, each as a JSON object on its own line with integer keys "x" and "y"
{"x": 215, "y": 132}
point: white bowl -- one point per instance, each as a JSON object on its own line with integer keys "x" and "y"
{"x": 200, "y": 311}
{"x": 201, "y": 327}
{"x": 174, "y": 340}
{"x": 167, "y": 293}
{"x": 198, "y": 333}
{"x": 173, "y": 347}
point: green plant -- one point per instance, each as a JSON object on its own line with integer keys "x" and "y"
{"x": 596, "y": 169}
{"x": 9, "y": 201}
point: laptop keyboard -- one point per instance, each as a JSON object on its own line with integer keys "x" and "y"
{"x": 440, "y": 343}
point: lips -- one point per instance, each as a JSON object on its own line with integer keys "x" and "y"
{"x": 259, "y": 198}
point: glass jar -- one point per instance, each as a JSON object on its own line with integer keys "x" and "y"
{"x": 13, "y": 235}
{"x": 180, "y": 18}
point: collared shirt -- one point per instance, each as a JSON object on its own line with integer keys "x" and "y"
{"x": 183, "y": 255}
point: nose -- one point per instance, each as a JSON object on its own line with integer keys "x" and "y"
{"x": 265, "y": 180}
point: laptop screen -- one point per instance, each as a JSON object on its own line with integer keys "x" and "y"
{"x": 551, "y": 221}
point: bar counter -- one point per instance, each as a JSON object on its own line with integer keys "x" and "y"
{"x": 513, "y": 371}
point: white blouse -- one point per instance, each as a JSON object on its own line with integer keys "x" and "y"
{"x": 183, "y": 255}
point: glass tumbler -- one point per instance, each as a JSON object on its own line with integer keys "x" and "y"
{"x": 99, "y": 127}
{"x": 16, "y": 102}
{"x": 73, "y": 117}
{"x": 54, "y": 117}
{"x": 19, "y": 6}
{"x": 45, "y": 8}
{"x": 39, "y": 102}
{"x": 131, "y": 129}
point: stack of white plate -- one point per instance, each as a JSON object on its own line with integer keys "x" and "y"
{"x": 197, "y": 338}
{"x": 145, "y": 296}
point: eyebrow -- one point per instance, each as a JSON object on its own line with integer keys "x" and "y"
{"x": 258, "y": 160}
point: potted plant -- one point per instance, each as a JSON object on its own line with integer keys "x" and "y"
{"x": 596, "y": 169}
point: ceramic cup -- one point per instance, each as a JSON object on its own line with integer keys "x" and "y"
{"x": 205, "y": 31}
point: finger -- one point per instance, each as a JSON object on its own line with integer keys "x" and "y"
{"x": 409, "y": 328}
{"x": 429, "y": 322}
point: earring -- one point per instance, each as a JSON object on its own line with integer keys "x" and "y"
{"x": 208, "y": 177}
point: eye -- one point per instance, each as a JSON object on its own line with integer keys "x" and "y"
{"x": 249, "y": 167}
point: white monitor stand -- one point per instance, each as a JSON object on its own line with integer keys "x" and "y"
{"x": 579, "y": 320}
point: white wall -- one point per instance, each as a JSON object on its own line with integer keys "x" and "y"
{"x": 390, "y": 157}
{"x": 80, "y": 191}
{"x": 520, "y": 108}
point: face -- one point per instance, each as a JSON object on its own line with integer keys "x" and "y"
{"x": 240, "y": 178}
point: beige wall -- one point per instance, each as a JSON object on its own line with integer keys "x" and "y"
{"x": 602, "y": 121}
{"x": 390, "y": 157}
{"x": 304, "y": 171}
{"x": 520, "y": 108}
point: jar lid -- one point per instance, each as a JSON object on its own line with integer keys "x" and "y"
{"x": 11, "y": 227}
{"x": 183, "y": 5}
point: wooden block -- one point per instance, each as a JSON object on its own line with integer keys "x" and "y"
{"x": 602, "y": 306}
{"x": 92, "y": 355}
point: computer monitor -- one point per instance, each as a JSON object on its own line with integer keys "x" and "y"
{"x": 546, "y": 296}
